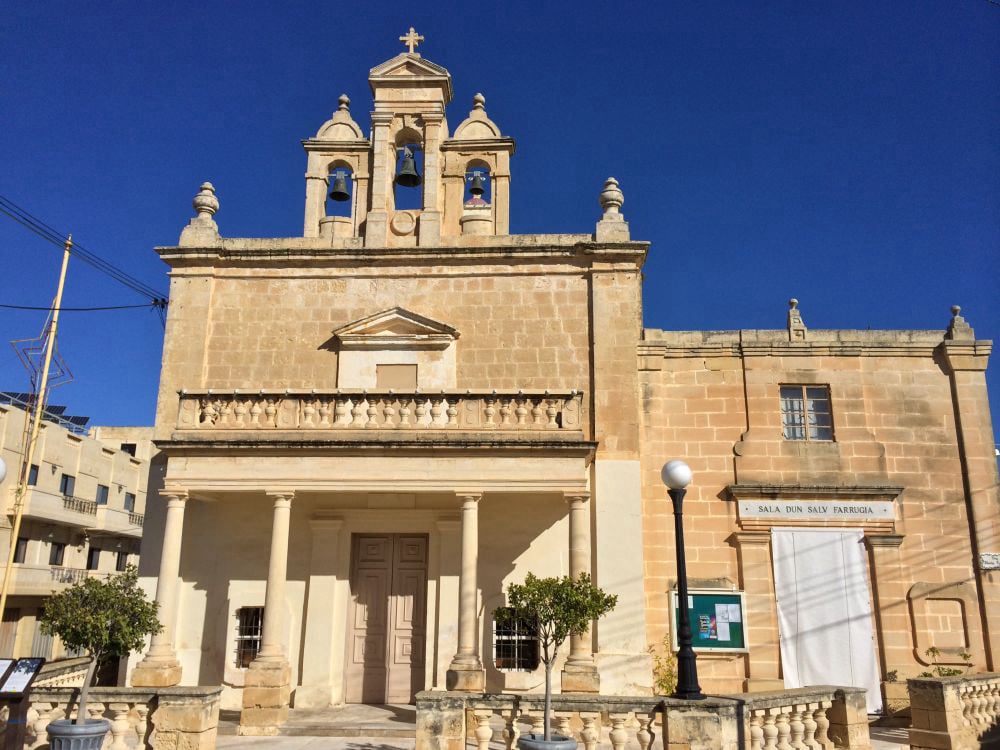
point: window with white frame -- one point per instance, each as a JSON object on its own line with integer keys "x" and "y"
{"x": 806, "y": 413}
{"x": 515, "y": 644}
{"x": 249, "y": 625}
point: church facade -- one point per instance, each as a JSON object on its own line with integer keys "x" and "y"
{"x": 372, "y": 429}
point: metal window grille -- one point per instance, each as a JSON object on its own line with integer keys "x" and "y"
{"x": 249, "y": 624}
{"x": 806, "y": 412}
{"x": 515, "y": 645}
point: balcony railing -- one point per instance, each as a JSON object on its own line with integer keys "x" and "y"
{"x": 136, "y": 519}
{"x": 349, "y": 410}
{"x": 80, "y": 505}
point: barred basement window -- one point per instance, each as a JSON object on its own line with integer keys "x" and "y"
{"x": 249, "y": 622}
{"x": 806, "y": 412}
{"x": 515, "y": 645}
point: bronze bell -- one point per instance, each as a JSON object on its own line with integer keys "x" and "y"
{"x": 407, "y": 175}
{"x": 476, "y": 188}
{"x": 340, "y": 191}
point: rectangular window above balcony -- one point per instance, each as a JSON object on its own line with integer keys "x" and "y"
{"x": 33, "y": 475}
{"x": 57, "y": 551}
{"x": 94, "y": 558}
{"x": 21, "y": 550}
{"x": 130, "y": 502}
{"x": 102, "y": 494}
{"x": 67, "y": 485}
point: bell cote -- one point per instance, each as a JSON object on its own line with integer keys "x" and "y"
{"x": 409, "y": 182}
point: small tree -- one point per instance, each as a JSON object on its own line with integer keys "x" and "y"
{"x": 559, "y": 608}
{"x": 103, "y": 618}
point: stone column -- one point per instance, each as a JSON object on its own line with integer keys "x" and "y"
{"x": 317, "y": 184}
{"x": 466, "y": 672}
{"x": 579, "y": 675}
{"x": 383, "y": 164}
{"x": 429, "y": 229}
{"x": 316, "y": 689}
{"x": 160, "y": 668}
{"x": 267, "y": 683}
{"x": 754, "y": 555}
{"x": 892, "y": 610}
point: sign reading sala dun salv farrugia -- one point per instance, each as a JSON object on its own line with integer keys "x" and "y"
{"x": 817, "y": 510}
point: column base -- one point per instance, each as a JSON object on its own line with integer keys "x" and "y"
{"x": 469, "y": 678}
{"x": 267, "y": 686}
{"x": 580, "y": 678}
{"x": 156, "y": 674}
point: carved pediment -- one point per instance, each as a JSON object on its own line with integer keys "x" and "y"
{"x": 395, "y": 328}
{"x": 408, "y": 65}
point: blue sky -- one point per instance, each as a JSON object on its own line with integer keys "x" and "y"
{"x": 847, "y": 153}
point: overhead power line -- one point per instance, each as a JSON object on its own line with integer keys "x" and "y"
{"x": 48, "y": 233}
{"x": 156, "y": 304}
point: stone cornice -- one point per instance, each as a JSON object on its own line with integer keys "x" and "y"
{"x": 308, "y": 251}
{"x": 802, "y": 491}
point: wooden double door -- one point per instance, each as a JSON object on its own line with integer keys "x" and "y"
{"x": 388, "y": 616}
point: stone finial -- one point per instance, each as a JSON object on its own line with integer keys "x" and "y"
{"x": 796, "y": 328}
{"x": 202, "y": 229}
{"x": 344, "y": 103}
{"x": 205, "y": 202}
{"x": 478, "y": 102}
{"x": 612, "y": 227}
{"x": 611, "y": 197}
{"x": 958, "y": 328}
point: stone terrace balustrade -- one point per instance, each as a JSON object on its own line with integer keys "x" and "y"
{"x": 818, "y": 718}
{"x": 955, "y": 712}
{"x": 80, "y": 505}
{"x": 350, "y": 410}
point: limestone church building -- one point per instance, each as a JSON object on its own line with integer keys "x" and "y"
{"x": 373, "y": 428}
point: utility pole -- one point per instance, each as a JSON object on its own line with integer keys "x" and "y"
{"x": 36, "y": 423}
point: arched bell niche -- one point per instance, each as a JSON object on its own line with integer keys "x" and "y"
{"x": 408, "y": 197}
{"x": 341, "y": 189}
{"x": 478, "y": 176}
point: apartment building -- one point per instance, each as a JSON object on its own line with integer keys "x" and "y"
{"x": 83, "y": 512}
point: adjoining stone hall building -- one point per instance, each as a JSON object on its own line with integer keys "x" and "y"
{"x": 372, "y": 429}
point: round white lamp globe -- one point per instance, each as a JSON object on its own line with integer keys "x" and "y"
{"x": 3, "y": 469}
{"x": 676, "y": 474}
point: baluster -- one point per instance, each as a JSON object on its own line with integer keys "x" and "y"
{"x": 405, "y": 411}
{"x": 505, "y": 411}
{"x": 796, "y": 727}
{"x": 551, "y": 412}
{"x": 389, "y": 412}
{"x": 39, "y": 716}
{"x": 809, "y": 723}
{"x": 436, "y": 410}
{"x": 784, "y": 730}
{"x": 770, "y": 730}
{"x": 490, "y": 411}
{"x": 618, "y": 735}
{"x": 521, "y": 411}
{"x": 308, "y": 412}
{"x": 511, "y": 730}
{"x": 142, "y": 725}
{"x": 452, "y": 411}
{"x": 823, "y": 724}
{"x": 240, "y": 410}
{"x": 537, "y": 721}
{"x": 536, "y": 411}
{"x": 993, "y": 707}
{"x": 225, "y": 412}
{"x": 590, "y": 733}
{"x": 756, "y": 731}
{"x": 420, "y": 411}
{"x": 269, "y": 411}
{"x": 208, "y": 413}
{"x": 484, "y": 733}
{"x": 965, "y": 695}
{"x": 341, "y": 411}
{"x": 119, "y": 726}
{"x": 979, "y": 703}
{"x": 645, "y": 733}
{"x": 324, "y": 413}
{"x": 562, "y": 720}
{"x": 255, "y": 410}
{"x": 358, "y": 412}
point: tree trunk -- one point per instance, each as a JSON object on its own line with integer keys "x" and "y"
{"x": 548, "y": 701}
{"x": 81, "y": 711}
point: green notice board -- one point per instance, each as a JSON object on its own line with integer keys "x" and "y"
{"x": 718, "y": 620}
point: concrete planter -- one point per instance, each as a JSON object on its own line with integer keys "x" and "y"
{"x": 65, "y": 735}
{"x": 536, "y": 742}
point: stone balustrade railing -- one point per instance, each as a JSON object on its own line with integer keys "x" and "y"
{"x": 68, "y": 673}
{"x": 80, "y": 505}
{"x": 819, "y": 718}
{"x": 153, "y": 719}
{"x": 515, "y": 411}
{"x": 955, "y": 712}
{"x": 136, "y": 519}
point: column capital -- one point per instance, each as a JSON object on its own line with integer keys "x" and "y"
{"x": 751, "y": 538}
{"x": 175, "y": 495}
{"x": 883, "y": 540}
{"x": 575, "y": 496}
{"x": 280, "y": 496}
{"x": 469, "y": 496}
{"x": 381, "y": 118}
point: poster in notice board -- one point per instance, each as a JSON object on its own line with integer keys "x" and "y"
{"x": 718, "y": 620}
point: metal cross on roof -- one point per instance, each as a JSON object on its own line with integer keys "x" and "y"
{"x": 411, "y": 39}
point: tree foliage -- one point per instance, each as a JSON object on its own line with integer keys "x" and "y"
{"x": 103, "y": 618}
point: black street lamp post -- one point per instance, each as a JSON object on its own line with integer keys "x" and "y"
{"x": 677, "y": 476}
